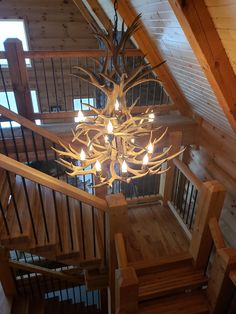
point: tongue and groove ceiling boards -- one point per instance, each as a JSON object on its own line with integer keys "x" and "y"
{"x": 170, "y": 40}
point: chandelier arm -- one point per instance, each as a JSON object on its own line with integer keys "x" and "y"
{"x": 150, "y": 70}
{"x": 155, "y": 158}
{"x": 91, "y": 107}
{"x": 133, "y": 105}
{"x": 108, "y": 78}
{"x": 160, "y": 171}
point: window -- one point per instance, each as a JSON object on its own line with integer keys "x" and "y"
{"x": 78, "y": 104}
{"x": 13, "y": 29}
{"x": 8, "y": 101}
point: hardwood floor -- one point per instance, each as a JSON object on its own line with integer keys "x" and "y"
{"x": 154, "y": 233}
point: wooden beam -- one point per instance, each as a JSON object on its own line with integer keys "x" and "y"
{"x": 200, "y": 30}
{"x": 101, "y": 15}
{"x": 6, "y": 275}
{"x": 216, "y": 234}
{"x": 150, "y": 50}
{"x": 88, "y": 17}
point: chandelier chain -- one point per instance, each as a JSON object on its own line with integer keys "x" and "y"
{"x": 115, "y": 23}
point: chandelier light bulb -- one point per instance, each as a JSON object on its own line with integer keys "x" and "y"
{"x": 150, "y": 148}
{"x": 80, "y": 117}
{"x": 151, "y": 117}
{"x": 145, "y": 160}
{"x": 132, "y": 140}
{"x": 98, "y": 166}
{"x": 109, "y": 127}
{"x": 82, "y": 155}
{"x": 117, "y": 105}
{"x": 91, "y": 147}
{"x": 124, "y": 167}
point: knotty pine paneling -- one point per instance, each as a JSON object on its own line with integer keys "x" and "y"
{"x": 51, "y": 24}
{"x": 223, "y": 13}
{"x": 162, "y": 24}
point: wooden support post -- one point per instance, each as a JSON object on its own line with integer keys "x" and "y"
{"x": 210, "y": 204}
{"x": 6, "y": 277}
{"x": 167, "y": 179}
{"x": 117, "y": 222}
{"x": 126, "y": 291}
{"x": 19, "y": 77}
{"x": 220, "y": 287}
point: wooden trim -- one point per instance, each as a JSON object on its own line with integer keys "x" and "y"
{"x": 45, "y": 271}
{"x": 188, "y": 173}
{"x": 150, "y": 50}
{"x": 121, "y": 251}
{"x": 29, "y": 125}
{"x": 180, "y": 220}
{"x": 204, "y": 39}
{"x": 72, "y": 114}
{"x": 89, "y": 53}
{"x": 52, "y": 183}
{"x": 144, "y": 200}
{"x": 216, "y": 234}
{"x": 6, "y": 276}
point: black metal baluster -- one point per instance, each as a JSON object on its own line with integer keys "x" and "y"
{"x": 57, "y": 219}
{"x": 82, "y": 228}
{"x": 4, "y": 218}
{"x": 14, "y": 141}
{"x": 185, "y": 201}
{"x": 43, "y": 212}
{"x": 94, "y": 232}
{"x": 24, "y": 143}
{"x": 44, "y": 148}
{"x": 104, "y": 239}
{"x": 29, "y": 276}
{"x": 54, "y": 81}
{"x": 14, "y": 201}
{"x": 69, "y": 220}
{"x": 29, "y": 208}
{"x": 35, "y": 147}
{"x": 63, "y": 83}
{"x": 3, "y": 141}
{"x": 193, "y": 208}
{"x": 46, "y": 85}
{"x": 37, "y": 86}
{"x": 189, "y": 204}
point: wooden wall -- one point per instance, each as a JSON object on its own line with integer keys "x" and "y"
{"x": 223, "y": 13}
{"x": 215, "y": 158}
{"x": 51, "y": 24}
{"x": 161, "y": 23}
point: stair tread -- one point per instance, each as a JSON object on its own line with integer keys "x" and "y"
{"x": 192, "y": 303}
{"x": 169, "y": 281}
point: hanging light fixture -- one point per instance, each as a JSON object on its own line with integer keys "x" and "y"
{"x": 115, "y": 135}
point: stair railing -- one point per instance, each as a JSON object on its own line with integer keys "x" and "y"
{"x": 221, "y": 267}
{"x": 73, "y": 210}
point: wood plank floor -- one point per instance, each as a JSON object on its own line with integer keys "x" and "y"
{"x": 154, "y": 233}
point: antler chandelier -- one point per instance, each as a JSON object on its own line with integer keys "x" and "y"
{"x": 112, "y": 142}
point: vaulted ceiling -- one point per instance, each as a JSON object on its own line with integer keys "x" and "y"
{"x": 201, "y": 65}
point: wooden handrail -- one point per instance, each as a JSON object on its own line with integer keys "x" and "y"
{"x": 188, "y": 173}
{"x": 30, "y": 125}
{"x": 52, "y": 183}
{"x": 121, "y": 251}
{"x": 216, "y": 234}
{"x": 45, "y": 271}
{"x": 71, "y": 54}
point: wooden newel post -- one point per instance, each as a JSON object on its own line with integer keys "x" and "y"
{"x": 126, "y": 291}
{"x": 6, "y": 277}
{"x": 220, "y": 287}
{"x": 210, "y": 204}
{"x": 117, "y": 222}
{"x": 19, "y": 77}
{"x": 167, "y": 179}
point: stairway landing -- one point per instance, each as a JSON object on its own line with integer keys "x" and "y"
{"x": 154, "y": 233}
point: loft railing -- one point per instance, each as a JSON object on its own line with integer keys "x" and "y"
{"x": 43, "y": 77}
{"x": 185, "y": 193}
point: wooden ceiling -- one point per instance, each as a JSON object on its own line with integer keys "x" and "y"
{"x": 170, "y": 40}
